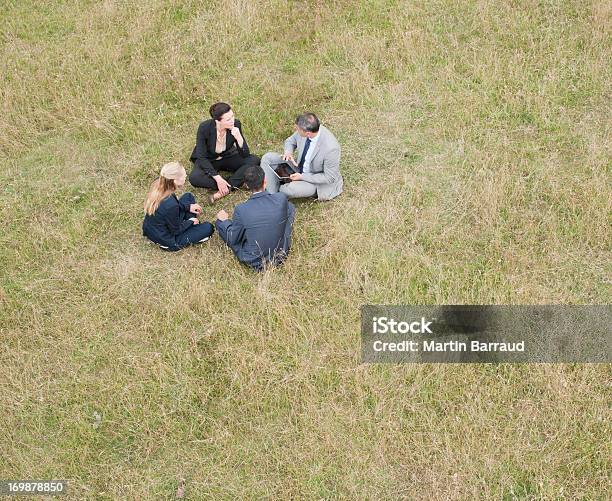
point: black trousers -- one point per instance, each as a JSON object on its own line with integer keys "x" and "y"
{"x": 236, "y": 165}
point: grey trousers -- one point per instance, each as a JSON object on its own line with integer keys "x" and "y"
{"x": 294, "y": 189}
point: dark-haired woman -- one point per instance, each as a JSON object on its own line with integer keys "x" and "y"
{"x": 220, "y": 145}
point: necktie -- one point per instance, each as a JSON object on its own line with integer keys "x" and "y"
{"x": 301, "y": 164}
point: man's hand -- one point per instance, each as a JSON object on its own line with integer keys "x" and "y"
{"x": 288, "y": 157}
{"x": 195, "y": 220}
{"x": 235, "y": 131}
{"x": 195, "y": 209}
{"x": 222, "y": 215}
{"x": 222, "y": 185}
{"x": 296, "y": 176}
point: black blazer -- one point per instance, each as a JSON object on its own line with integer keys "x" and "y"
{"x": 167, "y": 222}
{"x": 206, "y": 141}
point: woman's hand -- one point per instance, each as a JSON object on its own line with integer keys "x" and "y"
{"x": 195, "y": 209}
{"x": 195, "y": 220}
{"x": 222, "y": 185}
{"x": 235, "y": 131}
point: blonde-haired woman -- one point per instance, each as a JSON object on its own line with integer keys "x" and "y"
{"x": 172, "y": 222}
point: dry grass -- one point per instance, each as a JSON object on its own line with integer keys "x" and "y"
{"x": 477, "y": 165}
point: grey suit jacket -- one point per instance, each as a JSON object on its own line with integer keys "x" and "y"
{"x": 324, "y": 165}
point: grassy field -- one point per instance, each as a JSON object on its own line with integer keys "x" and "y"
{"x": 476, "y": 158}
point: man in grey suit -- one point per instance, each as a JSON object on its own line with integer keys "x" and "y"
{"x": 318, "y": 168}
{"x": 260, "y": 232}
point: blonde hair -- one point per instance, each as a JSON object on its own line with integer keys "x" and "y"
{"x": 163, "y": 186}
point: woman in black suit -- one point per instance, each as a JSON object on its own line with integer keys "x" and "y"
{"x": 220, "y": 145}
{"x": 172, "y": 222}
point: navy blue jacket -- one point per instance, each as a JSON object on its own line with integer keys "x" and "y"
{"x": 169, "y": 220}
{"x": 260, "y": 230}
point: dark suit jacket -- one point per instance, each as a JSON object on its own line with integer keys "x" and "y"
{"x": 167, "y": 222}
{"x": 260, "y": 230}
{"x": 206, "y": 141}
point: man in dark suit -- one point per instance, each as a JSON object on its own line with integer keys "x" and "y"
{"x": 260, "y": 232}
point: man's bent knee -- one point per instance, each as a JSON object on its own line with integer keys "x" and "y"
{"x": 269, "y": 158}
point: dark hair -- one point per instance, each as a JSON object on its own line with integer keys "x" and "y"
{"x": 217, "y": 110}
{"x": 308, "y": 122}
{"x": 254, "y": 177}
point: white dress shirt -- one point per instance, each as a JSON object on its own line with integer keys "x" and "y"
{"x": 310, "y": 153}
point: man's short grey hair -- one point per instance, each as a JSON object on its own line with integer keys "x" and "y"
{"x": 308, "y": 122}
